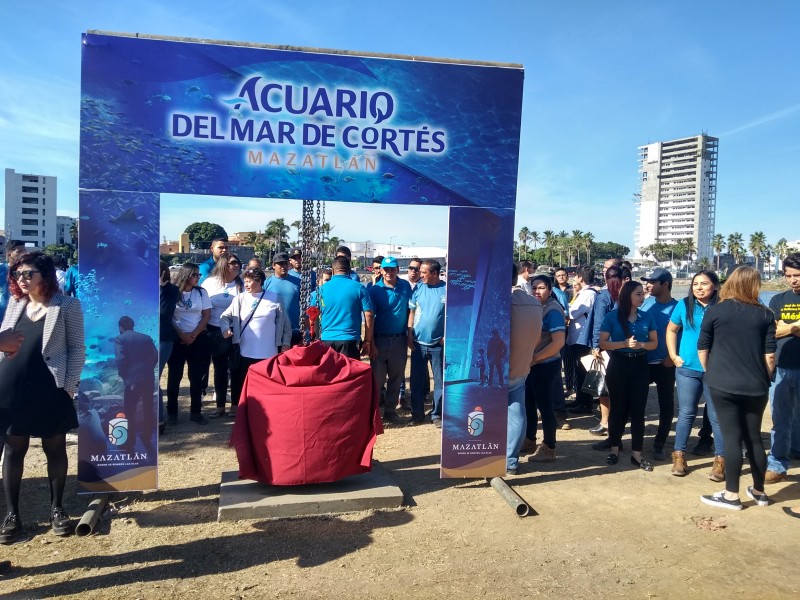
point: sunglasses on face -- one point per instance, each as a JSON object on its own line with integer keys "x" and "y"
{"x": 235, "y": 263}
{"x": 413, "y": 268}
{"x": 26, "y": 275}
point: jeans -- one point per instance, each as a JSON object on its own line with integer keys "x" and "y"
{"x": 690, "y": 390}
{"x": 515, "y": 434}
{"x": 785, "y": 408}
{"x": 664, "y": 378}
{"x": 740, "y": 419}
{"x": 164, "y": 350}
{"x": 389, "y": 367}
{"x": 542, "y": 387}
{"x": 420, "y": 356}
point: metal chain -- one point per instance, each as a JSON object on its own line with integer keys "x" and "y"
{"x": 307, "y": 228}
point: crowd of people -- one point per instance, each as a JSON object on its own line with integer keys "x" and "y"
{"x": 720, "y": 345}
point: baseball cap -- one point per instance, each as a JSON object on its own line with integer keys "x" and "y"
{"x": 295, "y": 252}
{"x": 280, "y": 257}
{"x": 389, "y": 261}
{"x": 659, "y": 274}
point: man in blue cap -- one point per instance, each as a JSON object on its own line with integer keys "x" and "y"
{"x": 390, "y": 296}
{"x": 287, "y": 287}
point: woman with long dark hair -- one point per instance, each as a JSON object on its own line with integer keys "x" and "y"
{"x": 737, "y": 350}
{"x": 191, "y": 315}
{"x": 38, "y": 382}
{"x": 543, "y": 384}
{"x": 168, "y": 296}
{"x": 223, "y": 285}
{"x": 605, "y": 302}
{"x": 628, "y": 333}
{"x": 686, "y": 319}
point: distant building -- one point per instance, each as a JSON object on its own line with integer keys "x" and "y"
{"x": 31, "y": 205}
{"x": 64, "y": 226}
{"x": 678, "y": 193}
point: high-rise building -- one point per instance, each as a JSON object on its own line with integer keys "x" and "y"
{"x": 31, "y": 203}
{"x": 679, "y": 193}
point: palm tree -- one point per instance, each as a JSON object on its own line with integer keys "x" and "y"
{"x": 524, "y": 233}
{"x": 781, "y": 249}
{"x": 588, "y": 239}
{"x": 277, "y": 231}
{"x": 735, "y": 246}
{"x": 563, "y": 244}
{"x": 535, "y": 238}
{"x": 758, "y": 242}
{"x": 297, "y": 225}
{"x": 689, "y": 250}
{"x": 718, "y": 245}
{"x": 704, "y": 263}
{"x": 549, "y": 242}
{"x": 577, "y": 240}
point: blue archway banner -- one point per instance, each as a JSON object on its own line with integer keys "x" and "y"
{"x": 183, "y": 116}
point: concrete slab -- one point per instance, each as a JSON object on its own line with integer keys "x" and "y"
{"x": 245, "y": 499}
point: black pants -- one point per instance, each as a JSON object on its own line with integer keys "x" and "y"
{"x": 628, "y": 380}
{"x": 350, "y": 348}
{"x": 237, "y": 378}
{"x": 664, "y": 378}
{"x": 141, "y": 396}
{"x": 542, "y": 387}
{"x": 578, "y": 351}
{"x": 197, "y": 356}
{"x": 740, "y": 421}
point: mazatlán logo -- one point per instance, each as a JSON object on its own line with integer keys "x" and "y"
{"x": 475, "y": 422}
{"x": 118, "y": 430}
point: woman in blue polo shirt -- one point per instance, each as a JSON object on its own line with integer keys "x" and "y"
{"x": 628, "y": 334}
{"x": 686, "y": 319}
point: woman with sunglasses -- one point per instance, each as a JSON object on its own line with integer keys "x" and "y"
{"x": 38, "y": 382}
{"x": 223, "y": 285}
{"x": 258, "y": 322}
{"x": 190, "y": 318}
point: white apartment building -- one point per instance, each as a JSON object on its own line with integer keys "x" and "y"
{"x": 31, "y": 203}
{"x": 678, "y": 193}
{"x": 63, "y": 227}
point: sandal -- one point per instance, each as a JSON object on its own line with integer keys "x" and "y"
{"x": 643, "y": 464}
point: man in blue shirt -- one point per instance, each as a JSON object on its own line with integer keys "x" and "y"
{"x": 390, "y": 296}
{"x": 288, "y": 289}
{"x": 426, "y": 340}
{"x": 219, "y": 246}
{"x": 660, "y": 305}
{"x": 341, "y": 302}
{"x": 296, "y": 262}
{"x": 345, "y": 251}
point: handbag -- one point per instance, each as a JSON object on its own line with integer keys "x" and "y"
{"x": 594, "y": 383}
{"x": 235, "y": 359}
{"x": 218, "y": 343}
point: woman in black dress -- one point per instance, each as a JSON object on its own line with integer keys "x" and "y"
{"x": 38, "y": 382}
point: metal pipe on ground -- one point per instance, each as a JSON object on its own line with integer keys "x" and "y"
{"x": 513, "y": 499}
{"x": 90, "y": 517}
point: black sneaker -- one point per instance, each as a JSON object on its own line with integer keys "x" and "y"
{"x": 59, "y": 521}
{"x": 720, "y": 501}
{"x": 658, "y": 453}
{"x": 605, "y": 445}
{"x": 703, "y": 447}
{"x": 761, "y": 499}
{"x": 198, "y": 418}
{"x": 10, "y": 529}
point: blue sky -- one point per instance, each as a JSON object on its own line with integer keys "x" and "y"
{"x": 601, "y": 79}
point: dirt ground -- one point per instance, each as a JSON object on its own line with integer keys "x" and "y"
{"x": 598, "y": 532}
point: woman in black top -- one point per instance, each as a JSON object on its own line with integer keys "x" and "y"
{"x": 737, "y": 350}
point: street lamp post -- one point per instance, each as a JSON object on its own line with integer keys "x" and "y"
{"x": 391, "y": 246}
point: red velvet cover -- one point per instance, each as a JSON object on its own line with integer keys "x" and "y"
{"x": 309, "y": 415}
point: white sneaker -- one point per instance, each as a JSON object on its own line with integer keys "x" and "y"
{"x": 761, "y": 499}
